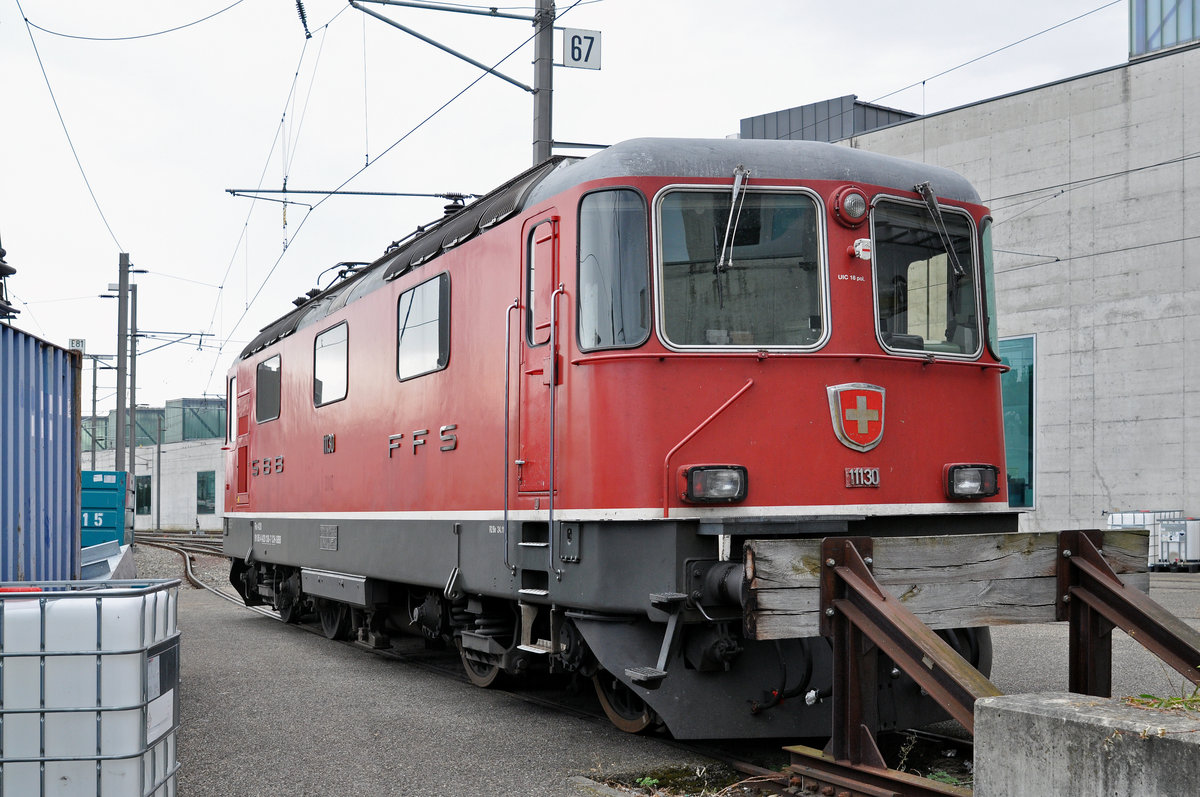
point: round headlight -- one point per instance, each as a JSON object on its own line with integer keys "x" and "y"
{"x": 850, "y": 206}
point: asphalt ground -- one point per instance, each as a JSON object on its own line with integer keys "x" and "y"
{"x": 269, "y": 709}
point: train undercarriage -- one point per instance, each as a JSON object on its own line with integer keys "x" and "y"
{"x": 687, "y": 666}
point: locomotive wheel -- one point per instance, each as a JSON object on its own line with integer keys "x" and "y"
{"x": 625, "y": 709}
{"x": 288, "y": 601}
{"x": 335, "y": 619}
{"x": 482, "y": 675}
{"x": 289, "y": 611}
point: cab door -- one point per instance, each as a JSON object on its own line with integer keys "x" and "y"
{"x": 241, "y": 479}
{"x": 540, "y": 365}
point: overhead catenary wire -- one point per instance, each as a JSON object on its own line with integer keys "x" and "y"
{"x": 1086, "y": 182}
{"x": 1061, "y": 189}
{"x": 1009, "y": 46}
{"x": 130, "y": 37}
{"x": 66, "y": 132}
{"x": 371, "y": 162}
{"x": 945, "y": 72}
{"x": 95, "y": 200}
{"x": 279, "y": 129}
{"x": 1120, "y": 250}
{"x": 28, "y": 313}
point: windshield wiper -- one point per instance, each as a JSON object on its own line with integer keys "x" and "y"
{"x": 725, "y": 257}
{"x": 926, "y": 192}
{"x": 740, "y": 175}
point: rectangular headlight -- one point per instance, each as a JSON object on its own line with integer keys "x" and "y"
{"x": 715, "y": 484}
{"x": 972, "y": 481}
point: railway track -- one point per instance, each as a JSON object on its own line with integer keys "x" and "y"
{"x": 187, "y": 546}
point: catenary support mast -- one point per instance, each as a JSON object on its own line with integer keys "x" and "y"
{"x": 543, "y": 81}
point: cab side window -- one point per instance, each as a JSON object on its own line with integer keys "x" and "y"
{"x": 614, "y": 271}
{"x": 267, "y": 384}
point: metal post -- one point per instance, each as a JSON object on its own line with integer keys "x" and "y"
{"x": 158, "y": 478}
{"x": 94, "y": 364}
{"x": 132, "y": 383}
{"x": 543, "y": 81}
{"x": 122, "y": 330}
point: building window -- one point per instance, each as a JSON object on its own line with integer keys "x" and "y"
{"x": 331, "y": 373}
{"x": 142, "y": 495}
{"x": 206, "y": 492}
{"x": 266, "y": 390}
{"x": 423, "y": 328}
{"x": 1017, "y": 385}
{"x": 1160, "y": 24}
{"x": 614, "y": 290}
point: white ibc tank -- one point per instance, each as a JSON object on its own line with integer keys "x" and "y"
{"x": 89, "y": 688}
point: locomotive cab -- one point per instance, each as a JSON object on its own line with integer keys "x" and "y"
{"x": 544, "y": 429}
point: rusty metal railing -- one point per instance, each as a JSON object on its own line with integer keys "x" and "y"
{"x": 863, "y": 620}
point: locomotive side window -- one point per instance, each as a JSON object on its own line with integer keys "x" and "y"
{"x": 267, "y": 385}
{"x": 743, "y": 274}
{"x": 539, "y": 281}
{"x": 614, "y": 290}
{"x": 925, "y": 301}
{"x": 423, "y": 323}
{"x": 330, "y": 365}
{"x": 231, "y": 411}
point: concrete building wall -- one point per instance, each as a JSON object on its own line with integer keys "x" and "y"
{"x": 1094, "y": 184}
{"x": 180, "y": 464}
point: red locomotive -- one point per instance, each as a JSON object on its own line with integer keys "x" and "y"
{"x": 542, "y": 428}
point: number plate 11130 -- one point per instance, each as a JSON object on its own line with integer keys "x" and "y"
{"x": 862, "y": 477}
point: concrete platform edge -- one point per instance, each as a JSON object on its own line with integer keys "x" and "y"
{"x": 1051, "y": 744}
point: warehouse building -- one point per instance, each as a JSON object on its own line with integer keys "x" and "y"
{"x": 1094, "y": 186}
{"x": 179, "y": 484}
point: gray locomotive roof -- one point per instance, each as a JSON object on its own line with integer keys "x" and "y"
{"x": 800, "y": 160}
{"x": 640, "y": 157}
{"x": 445, "y": 234}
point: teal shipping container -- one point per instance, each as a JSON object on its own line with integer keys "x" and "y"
{"x": 105, "y": 505}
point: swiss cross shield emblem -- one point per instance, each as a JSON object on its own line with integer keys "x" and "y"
{"x": 857, "y": 412}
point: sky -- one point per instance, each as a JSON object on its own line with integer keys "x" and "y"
{"x": 110, "y": 143}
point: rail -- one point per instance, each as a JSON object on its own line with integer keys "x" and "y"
{"x": 185, "y": 548}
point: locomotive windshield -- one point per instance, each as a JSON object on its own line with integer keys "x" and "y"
{"x": 923, "y": 302}
{"x": 765, "y": 291}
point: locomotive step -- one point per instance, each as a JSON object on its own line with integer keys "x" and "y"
{"x": 538, "y": 592}
{"x": 666, "y": 601}
{"x": 649, "y": 677}
{"x": 541, "y": 646}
